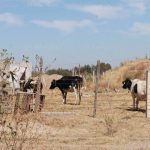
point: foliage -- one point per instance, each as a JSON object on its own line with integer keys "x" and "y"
{"x": 104, "y": 67}
{"x": 60, "y": 71}
{"x": 86, "y": 69}
{"x": 89, "y": 68}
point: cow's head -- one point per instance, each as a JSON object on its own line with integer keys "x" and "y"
{"x": 33, "y": 82}
{"x": 28, "y": 85}
{"x": 53, "y": 84}
{"x": 126, "y": 84}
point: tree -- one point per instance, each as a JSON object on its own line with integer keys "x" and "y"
{"x": 64, "y": 72}
{"x": 88, "y": 69}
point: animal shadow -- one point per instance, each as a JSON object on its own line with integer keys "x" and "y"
{"x": 72, "y": 104}
{"x": 139, "y": 110}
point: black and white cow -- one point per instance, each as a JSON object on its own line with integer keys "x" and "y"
{"x": 31, "y": 86}
{"x": 138, "y": 90}
{"x": 68, "y": 84}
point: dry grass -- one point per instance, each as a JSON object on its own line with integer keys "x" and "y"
{"x": 135, "y": 69}
{"x": 70, "y": 127}
{"x": 116, "y": 126}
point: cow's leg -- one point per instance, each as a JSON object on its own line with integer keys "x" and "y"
{"x": 65, "y": 98}
{"x": 80, "y": 94}
{"x": 64, "y": 94}
{"x": 137, "y": 103}
{"x": 134, "y": 100}
{"x": 76, "y": 94}
{"x": 33, "y": 104}
{"x": 134, "y": 103}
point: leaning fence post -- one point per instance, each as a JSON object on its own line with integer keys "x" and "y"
{"x": 93, "y": 76}
{"x": 79, "y": 70}
{"x": 38, "y": 92}
{"x": 96, "y": 87}
{"x": 148, "y": 94}
{"x": 73, "y": 72}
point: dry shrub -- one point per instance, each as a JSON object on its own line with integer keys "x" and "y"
{"x": 19, "y": 132}
{"x": 103, "y": 84}
{"x": 134, "y": 74}
{"x": 129, "y": 75}
{"x": 110, "y": 124}
{"x": 89, "y": 85}
{"x": 141, "y": 66}
{"x": 139, "y": 74}
{"x": 59, "y": 121}
{"x": 133, "y": 69}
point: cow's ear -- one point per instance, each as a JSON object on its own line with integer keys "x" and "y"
{"x": 128, "y": 79}
{"x": 53, "y": 81}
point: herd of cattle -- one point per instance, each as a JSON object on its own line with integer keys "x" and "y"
{"x": 66, "y": 84}
{"x": 18, "y": 77}
{"x": 22, "y": 80}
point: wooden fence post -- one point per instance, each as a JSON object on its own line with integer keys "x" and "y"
{"x": 148, "y": 94}
{"x": 38, "y": 93}
{"x": 79, "y": 70}
{"x": 96, "y": 87}
{"x": 93, "y": 76}
{"x": 73, "y": 72}
{"x": 16, "y": 103}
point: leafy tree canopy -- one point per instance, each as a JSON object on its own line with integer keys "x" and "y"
{"x": 83, "y": 69}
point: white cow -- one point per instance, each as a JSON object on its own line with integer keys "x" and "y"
{"x": 17, "y": 72}
{"x": 138, "y": 90}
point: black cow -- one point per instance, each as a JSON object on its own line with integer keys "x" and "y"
{"x": 31, "y": 86}
{"x": 68, "y": 84}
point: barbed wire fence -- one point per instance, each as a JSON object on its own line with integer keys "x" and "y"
{"x": 96, "y": 99}
{"x": 121, "y": 98}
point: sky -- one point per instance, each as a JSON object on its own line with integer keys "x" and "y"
{"x": 67, "y": 33}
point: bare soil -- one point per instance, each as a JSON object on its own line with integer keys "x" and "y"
{"x": 72, "y": 127}
{"x": 115, "y": 127}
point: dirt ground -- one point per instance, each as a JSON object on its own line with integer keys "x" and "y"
{"x": 115, "y": 127}
{"x": 70, "y": 127}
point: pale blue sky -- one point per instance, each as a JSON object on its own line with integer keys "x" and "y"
{"x": 76, "y": 31}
